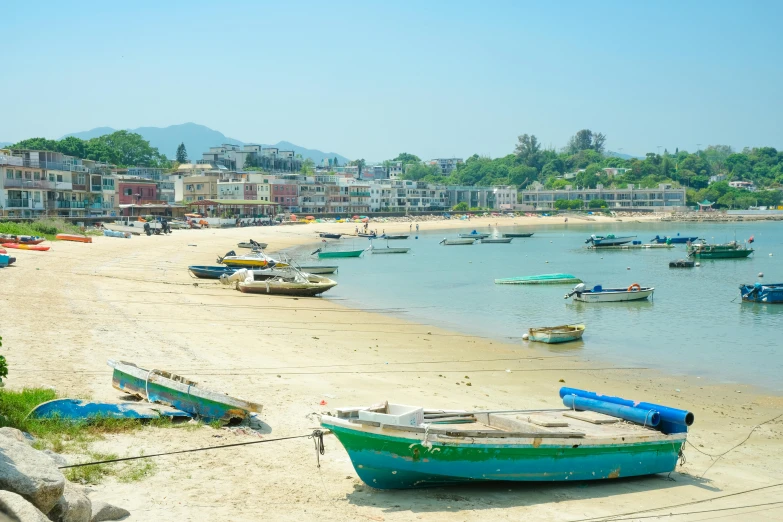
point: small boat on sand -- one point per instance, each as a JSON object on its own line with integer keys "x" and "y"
{"x": 544, "y": 279}
{"x": 117, "y": 233}
{"x": 527, "y": 234}
{"x": 452, "y": 242}
{"x": 24, "y": 240}
{"x": 256, "y": 258}
{"x": 496, "y": 239}
{"x": 599, "y": 294}
{"x": 178, "y": 392}
{"x": 682, "y": 263}
{"x": 329, "y": 235}
{"x": 254, "y": 245}
{"x": 771, "y": 293}
{"x": 84, "y": 410}
{"x": 22, "y": 246}
{"x": 609, "y": 240}
{"x": 557, "y": 334}
{"x": 6, "y": 260}
{"x": 74, "y": 237}
{"x": 395, "y": 446}
{"x": 294, "y": 283}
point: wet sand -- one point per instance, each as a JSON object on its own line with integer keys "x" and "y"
{"x": 64, "y": 312}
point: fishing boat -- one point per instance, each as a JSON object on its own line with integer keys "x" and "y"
{"x": 496, "y": 239}
{"x": 732, "y": 250}
{"x": 682, "y": 263}
{"x": 395, "y": 236}
{"x": 475, "y": 235}
{"x": 599, "y": 294}
{"x": 256, "y": 258}
{"x": 329, "y": 235}
{"x": 371, "y": 236}
{"x": 84, "y": 410}
{"x": 319, "y": 269}
{"x": 395, "y": 446}
{"x": 676, "y": 240}
{"x": 608, "y": 240}
{"x": 762, "y": 293}
{"x": 452, "y": 242}
{"x": 78, "y": 238}
{"x": 338, "y": 253}
{"x": 388, "y": 250}
{"x": 557, "y": 334}
{"x": 22, "y": 246}
{"x": 254, "y": 245}
{"x": 178, "y": 392}
{"x": 543, "y": 279}
{"x": 528, "y": 234}
{"x": 295, "y": 283}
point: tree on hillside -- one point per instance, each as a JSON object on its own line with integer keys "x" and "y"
{"x": 407, "y": 158}
{"x": 358, "y": 163}
{"x": 37, "y": 144}
{"x": 71, "y": 146}
{"x": 182, "y": 153}
{"x": 528, "y": 150}
{"x": 586, "y": 139}
{"x": 335, "y": 162}
{"x": 307, "y": 166}
{"x": 124, "y": 149}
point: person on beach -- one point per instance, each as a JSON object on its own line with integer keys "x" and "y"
{"x": 410, "y": 228}
{"x": 417, "y": 227}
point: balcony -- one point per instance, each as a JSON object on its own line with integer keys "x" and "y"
{"x": 70, "y": 204}
{"x": 360, "y": 194}
{"x": 96, "y": 188}
{"x": 17, "y": 203}
{"x": 28, "y": 184}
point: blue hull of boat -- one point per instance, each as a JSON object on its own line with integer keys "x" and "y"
{"x": 80, "y": 410}
{"x": 767, "y": 294}
{"x": 211, "y": 272}
{"x": 679, "y": 240}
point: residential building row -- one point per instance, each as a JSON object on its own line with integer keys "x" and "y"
{"x": 664, "y": 197}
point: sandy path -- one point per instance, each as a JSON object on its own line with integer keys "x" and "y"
{"x": 64, "y": 312}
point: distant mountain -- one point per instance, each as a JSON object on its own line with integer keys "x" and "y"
{"x": 5, "y": 143}
{"x": 621, "y": 156}
{"x": 198, "y": 139}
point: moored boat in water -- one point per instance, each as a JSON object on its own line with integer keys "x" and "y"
{"x": 496, "y": 240}
{"x": 395, "y": 236}
{"x": 682, "y": 263}
{"x": 608, "y": 240}
{"x": 319, "y": 269}
{"x": 676, "y": 240}
{"x": 475, "y": 235}
{"x": 527, "y": 234}
{"x": 451, "y": 242}
{"x": 394, "y": 446}
{"x": 543, "y": 279}
{"x": 599, "y": 294}
{"x": 557, "y": 334}
{"x": 769, "y": 293}
{"x": 329, "y": 235}
{"x": 731, "y": 250}
{"x": 329, "y": 254}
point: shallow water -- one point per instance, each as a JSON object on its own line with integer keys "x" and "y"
{"x": 695, "y": 324}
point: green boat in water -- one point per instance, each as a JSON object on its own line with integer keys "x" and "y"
{"x": 544, "y": 279}
{"x": 338, "y": 253}
{"x": 731, "y": 250}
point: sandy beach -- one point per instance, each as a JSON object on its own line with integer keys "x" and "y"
{"x": 63, "y": 313}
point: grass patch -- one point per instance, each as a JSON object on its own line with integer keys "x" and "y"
{"x": 91, "y": 474}
{"x": 47, "y": 227}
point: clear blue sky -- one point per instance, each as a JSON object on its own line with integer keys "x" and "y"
{"x": 371, "y": 79}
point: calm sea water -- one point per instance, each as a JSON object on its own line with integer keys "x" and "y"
{"x": 696, "y": 323}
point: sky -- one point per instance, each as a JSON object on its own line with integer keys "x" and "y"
{"x": 371, "y": 79}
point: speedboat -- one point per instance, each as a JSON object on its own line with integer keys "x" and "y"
{"x": 599, "y": 294}
{"x": 609, "y": 240}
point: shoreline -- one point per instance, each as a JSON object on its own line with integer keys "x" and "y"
{"x": 133, "y": 300}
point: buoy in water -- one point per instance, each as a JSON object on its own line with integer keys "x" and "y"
{"x": 628, "y": 268}
{"x": 525, "y": 337}
{"x": 697, "y": 264}
{"x": 761, "y": 274}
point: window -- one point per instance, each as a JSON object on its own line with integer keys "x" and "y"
{"x": 59, "y": 178}
{"x": 51, "y": 178}
{"x": 199, "y": 186}
{"x": 9, "y": 173}
{"x": 28, "y": 176}
{"x": 127, "y": 192}
{"x": 36, "y": 176}
{"x": 190, "y": 187}
{"x": 201, "y": 198}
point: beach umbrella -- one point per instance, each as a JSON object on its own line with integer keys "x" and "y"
{"x": 293, "y": 217}
{"x": 365, "y": 220}
{"x": 356, "y": 217}
{"x": 309, "y": 217}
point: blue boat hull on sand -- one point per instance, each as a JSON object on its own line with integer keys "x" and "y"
{"x": 211, "y": 272}
{"x": 78, "y": 409}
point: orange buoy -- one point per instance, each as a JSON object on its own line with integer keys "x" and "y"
{"x": 634, "y": 287}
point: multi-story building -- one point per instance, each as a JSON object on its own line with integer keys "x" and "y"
{"x": 359, "y": 197}
{"x": 446, "y": 165}
{"x": 36, "y": 183}
{"x": 505, "y": 197}
{"x": 285, "y": 193}
{"x": 237, "y": 190}
{"x": 236, "y": 158}
{"x": 475, "y": 197}
{"x": 312, "y": 197}
{"x": 199, "y": 188}
{"x": 137, "y": 191}
{"x": 663, "y": 198}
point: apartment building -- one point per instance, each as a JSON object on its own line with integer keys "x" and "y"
{"x": 237, "y": 190}
{"x": 237, "y": 158}
{"x": 505, "y": 197}
{"x": 663, "y": 198}
{"x": 35, "y": 183}
{"x": 137, "y": 191}
{"x": 312, "y": 197}
{"x": 446, "y": 165}
{"x": 285, "y": 193}
{"x": 199, "y": 188}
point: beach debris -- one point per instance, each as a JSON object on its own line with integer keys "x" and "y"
{"x": 561, "y": 380}
{"x": 468, "y": 384}
{"x": 323, "y": 402}
{"x": 761, "y": 274}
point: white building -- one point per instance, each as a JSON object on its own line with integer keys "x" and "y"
{"x": 663, "y": 198}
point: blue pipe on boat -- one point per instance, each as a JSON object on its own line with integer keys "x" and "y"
{"x": 668, "y": 415}
{"x": 647, "y": 418}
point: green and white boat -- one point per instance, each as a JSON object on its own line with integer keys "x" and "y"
{"x": 732, "y": 250}
{"x": 338, "y": 253}
{"x": 544, "y": 279}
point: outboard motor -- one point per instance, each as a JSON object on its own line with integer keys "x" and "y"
{"x": 578, "y": 289}
{"x": 147, "y": 229}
